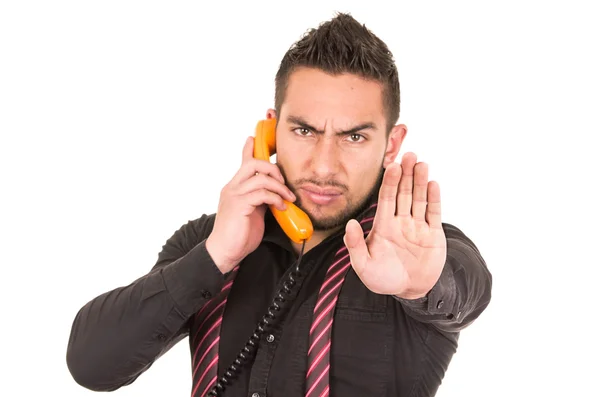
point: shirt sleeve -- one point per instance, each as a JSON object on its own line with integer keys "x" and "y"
{"x": 118, "y": 335}
{"x": 463, "y": 290}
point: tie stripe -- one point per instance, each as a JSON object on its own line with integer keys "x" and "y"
{"x": 325, "y": 392}
{"x": 320, "y": 335}
{"x": 321, "y": 381}
{"x": 205, "y": 360}
{"x": 317, "y": 374}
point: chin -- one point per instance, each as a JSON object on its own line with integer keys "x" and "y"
{"x": 324, "y": 218}
{"x": 330, "y": 217}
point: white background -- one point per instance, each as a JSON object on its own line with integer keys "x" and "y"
{"x": 122, "y": 120}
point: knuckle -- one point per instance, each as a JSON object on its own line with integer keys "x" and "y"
{"x": 258, "y": 177}
{"x": 264, "y": 180}
{"x": 388, "y": 196}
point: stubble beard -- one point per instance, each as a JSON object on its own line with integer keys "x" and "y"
{"x": 351, "y": 211}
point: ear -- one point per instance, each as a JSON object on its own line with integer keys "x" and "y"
{"x": 394, "y": 143}
{"x": 271, "y": 115}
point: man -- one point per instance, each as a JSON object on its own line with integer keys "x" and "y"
{"x": 379, "y": 293}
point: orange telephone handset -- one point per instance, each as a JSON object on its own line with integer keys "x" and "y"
{"x": 294, "y": 222}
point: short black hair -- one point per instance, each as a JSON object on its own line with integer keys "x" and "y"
{"x": 343, "y": 45}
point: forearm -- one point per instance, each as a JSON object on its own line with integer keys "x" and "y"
{"x": 119, "y": 334}
{"x": 462, "y": 291}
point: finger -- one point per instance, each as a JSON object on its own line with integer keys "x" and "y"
{"x": 250, "y": 164}
{"x": 419, "y": 203}
{"x": 434, "y": 205}
{"x": 264, "y": 196}
{"x": 357, "y": 247}
{"x": 386, "y": 206}
{"x": 248, "y": 151}
{"x": 406, "y": 185}
{"x": 255, "y": 166}
{"x": 262, "y": 181}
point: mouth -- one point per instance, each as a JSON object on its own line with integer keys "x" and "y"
{"x": 320, "y": 196}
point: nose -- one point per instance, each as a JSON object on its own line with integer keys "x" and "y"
{"x": 325, "y": 160}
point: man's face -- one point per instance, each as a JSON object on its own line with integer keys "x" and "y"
{"x": 331, "y": 143}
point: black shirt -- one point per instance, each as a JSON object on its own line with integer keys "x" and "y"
{"x": 380, "y": 346}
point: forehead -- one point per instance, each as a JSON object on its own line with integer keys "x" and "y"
{"x": 319, "y": 95}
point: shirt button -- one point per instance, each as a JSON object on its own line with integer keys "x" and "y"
{"x": 270, "y": 338}
{"x": 440, "y": 304}
{"x": 206, "y": 294}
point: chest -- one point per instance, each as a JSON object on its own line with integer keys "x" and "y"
{"x": 364, "y": 331}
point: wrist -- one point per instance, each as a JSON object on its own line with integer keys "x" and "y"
{"x": 221, "y": 261}
{"x": 411, "y": 296}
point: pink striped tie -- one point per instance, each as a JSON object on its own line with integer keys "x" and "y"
{"x": 206, "y": 340}
{"x": 317, "y": 376}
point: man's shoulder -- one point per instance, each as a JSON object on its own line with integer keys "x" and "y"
{"x": 201, "y": 227}
{"x": 192, "y": 232}
{"x": 185, "y": 238}
{"x": 204, "y": 221}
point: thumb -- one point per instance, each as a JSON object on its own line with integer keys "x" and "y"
{"x": 354, "y": 240}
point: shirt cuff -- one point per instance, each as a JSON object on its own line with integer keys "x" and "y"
{"x": 193, "y": 279}
{"x": 440, "y": 300}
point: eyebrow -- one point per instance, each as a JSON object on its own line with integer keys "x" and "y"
{"x": 304, "y": 124}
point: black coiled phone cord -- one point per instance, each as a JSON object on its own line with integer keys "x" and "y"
{"x": 280, "y": 303}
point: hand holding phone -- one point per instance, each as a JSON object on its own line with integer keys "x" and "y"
{"x": 239, "y": 224}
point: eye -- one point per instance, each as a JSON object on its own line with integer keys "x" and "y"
{"x": 356, "y": 137}
{"x": 302, "y": 131}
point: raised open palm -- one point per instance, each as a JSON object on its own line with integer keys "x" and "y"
{"x": 405, "y": 252}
